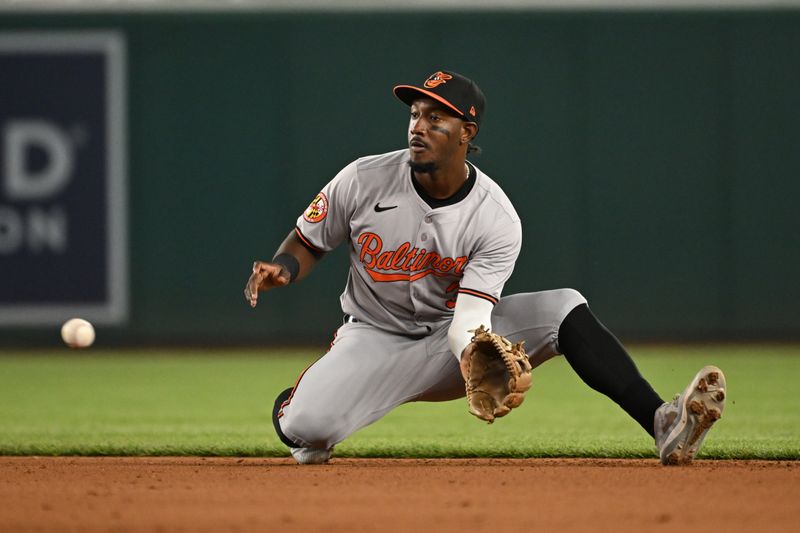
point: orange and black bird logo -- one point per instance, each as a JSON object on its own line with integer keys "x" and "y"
{"x": 437, "y": 79}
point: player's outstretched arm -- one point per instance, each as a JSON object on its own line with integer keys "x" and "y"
{"x": 292, "y": 262}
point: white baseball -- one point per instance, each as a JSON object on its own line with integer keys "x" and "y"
{"x": 77, "y": 333}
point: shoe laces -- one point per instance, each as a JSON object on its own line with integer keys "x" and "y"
{"x": 672, "y": 405}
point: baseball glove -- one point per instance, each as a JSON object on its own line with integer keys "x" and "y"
{"x": 497, "y": 374}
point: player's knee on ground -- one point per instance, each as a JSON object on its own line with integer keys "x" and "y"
{"x": 315, "y": 428}
{"x": 302, "y": 427}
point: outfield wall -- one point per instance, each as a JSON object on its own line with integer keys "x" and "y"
{"x": 653, "y": 156}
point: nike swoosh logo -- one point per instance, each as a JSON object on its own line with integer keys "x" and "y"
{"x": 378, "y": 207}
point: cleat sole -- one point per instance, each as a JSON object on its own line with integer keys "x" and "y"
{"x": 701, "y": 405}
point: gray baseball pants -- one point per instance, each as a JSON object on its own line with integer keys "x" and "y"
{"x": 368, "y": 371}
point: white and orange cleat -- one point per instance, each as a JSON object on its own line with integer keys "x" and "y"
{"x": 682, "y": 424}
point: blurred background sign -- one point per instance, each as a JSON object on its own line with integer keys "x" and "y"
{"x": 62, "y": 170}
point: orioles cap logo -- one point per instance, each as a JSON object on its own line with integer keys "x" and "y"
{"x": 437, "y": 79}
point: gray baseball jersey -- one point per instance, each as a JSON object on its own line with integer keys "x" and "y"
{"x": 410, "y": 256}
{"x": 408, "y": 261}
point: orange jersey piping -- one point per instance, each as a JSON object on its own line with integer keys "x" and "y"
{"x": 479, "y": 294}
{"x": 307, "y": 243}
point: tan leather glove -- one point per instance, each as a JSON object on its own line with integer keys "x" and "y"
{"x": 497, "y": 374}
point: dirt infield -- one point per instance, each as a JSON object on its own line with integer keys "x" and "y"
{"x": 223, "y": 494}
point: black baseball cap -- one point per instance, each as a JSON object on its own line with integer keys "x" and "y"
{"x": 457, "y": 92}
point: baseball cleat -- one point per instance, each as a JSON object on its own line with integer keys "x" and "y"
{"x": 311, "y": 456}
{"x": 682, "y": 424}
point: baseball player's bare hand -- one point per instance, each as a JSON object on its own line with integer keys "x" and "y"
{"x": 265, "y": 276}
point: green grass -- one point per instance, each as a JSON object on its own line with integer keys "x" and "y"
{"x": 219, "y": 403}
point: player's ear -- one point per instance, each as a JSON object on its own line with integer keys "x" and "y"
{"x": 468, "y": 132}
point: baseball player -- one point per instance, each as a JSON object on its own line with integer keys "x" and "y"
{"x": 432, "y": 241}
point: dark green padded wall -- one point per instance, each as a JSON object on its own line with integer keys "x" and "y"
{"x": 653, "y": 156}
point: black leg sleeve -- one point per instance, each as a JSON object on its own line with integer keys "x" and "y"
{"x": 602, "y": 363}
{"x": 282, "y": 397}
